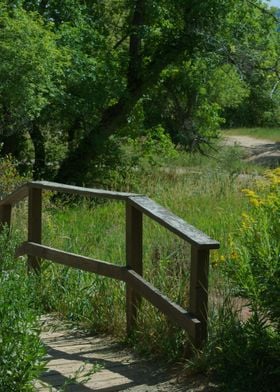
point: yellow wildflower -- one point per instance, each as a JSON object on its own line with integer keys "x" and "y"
{"x": 245, "y": 216}
{"x": 273, "y": 176}
{"x": 255, "y": 202}
{"x": 249, "y": 192}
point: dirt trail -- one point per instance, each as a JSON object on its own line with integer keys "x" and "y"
{"x": 262, "y": 151}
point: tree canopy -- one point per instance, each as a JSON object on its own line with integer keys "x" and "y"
{"x": 74, "y": 73}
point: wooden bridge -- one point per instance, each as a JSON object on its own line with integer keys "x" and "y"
{"x": 193, "y": 320}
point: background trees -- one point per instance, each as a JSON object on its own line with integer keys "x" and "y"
{"x": 74, "y": 74}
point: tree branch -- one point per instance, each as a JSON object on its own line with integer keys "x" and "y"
{"x": 263, "y": 10}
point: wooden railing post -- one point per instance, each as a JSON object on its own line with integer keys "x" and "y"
{"x": 5, "y": 215}
{"x": 34, "y": 224}
{"x": 134, "y": 239}
{"x": 199, "y": 291}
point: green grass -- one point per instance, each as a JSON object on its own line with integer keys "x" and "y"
{"x": 205, "y": 191}
{"x": 272, "y": 134}
{"x": 21, "y": 351}
{"x": 207, "y": 194}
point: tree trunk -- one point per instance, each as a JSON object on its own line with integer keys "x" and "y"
{"x": 78, "y": 161}
{"x": 39, "y": 166}
{"x": 139, "y": 79}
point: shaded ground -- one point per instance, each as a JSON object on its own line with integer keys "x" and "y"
{"x": 82, "y": 363}
{"x": 260, "y": 151}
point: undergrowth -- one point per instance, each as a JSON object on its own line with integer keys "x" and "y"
{"x": 97, "y": 229}
{"x": 21, "y": 351}
{"x": 206, "y": 192}
{"x": 243, "y": 351}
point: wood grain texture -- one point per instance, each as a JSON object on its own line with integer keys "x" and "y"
{"x": 170, "y": 309}
{"x": 176, "y": 313}
{"x": 143, "y": 203}
{"x": 5, "y": 215}
{"x": 34, "y": 224}
{"x": 16, "y": 196}
{"x": 72, "y": 260}
{"x": 172, "y": 222}
{"x": 136, "y": 206}
{"x": 117, "y": 368}
{"x": 199, "y": 290}
{"x": 76, "y": 190}
{"x": 134, "y": 254}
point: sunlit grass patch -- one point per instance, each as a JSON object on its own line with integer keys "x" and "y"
{"x": 272, "y": 134}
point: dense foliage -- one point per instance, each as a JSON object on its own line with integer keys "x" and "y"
{"x": 257, "y": 252}
{"x": 244, "y": 350}
{"x": 78, "y": 76}
{"x": 21, "y": 351}
{"x": 242, "y": 353}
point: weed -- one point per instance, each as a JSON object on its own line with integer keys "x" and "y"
{"x": 98, "y": 230}
{"x": 21, "y": 352}
{"x": 206, "y": 193}
{"x": 272, "y": 134}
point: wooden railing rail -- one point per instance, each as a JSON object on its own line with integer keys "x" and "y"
{"x": 193, "y": 321}
{"x": 172, "y": 222}
{"x": 16, "y": 196}
{"x": 72, "y": 260}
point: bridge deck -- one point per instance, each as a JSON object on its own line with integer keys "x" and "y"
{"x": 82, "y": 363}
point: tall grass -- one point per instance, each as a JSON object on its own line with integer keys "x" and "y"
{"x": 204, "y": 191}
{"x": 272, "y": 134}
{"x": 21, "y": 351}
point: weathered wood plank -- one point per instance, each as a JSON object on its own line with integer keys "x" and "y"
{"x": 134, "y": 254}
{"x": 34, "y": 224}
{"x": 92, "y": 192}
{"x": 199, "y": 291}
{"x": 15, "y": 196}
{"x": 5, "y": 215}
{"x": 106, "y": 383}
{"x": 172, "y": 222}
{"x": 72, "y": 260}
{"x": 170, "y": 309}
{"x": 120, "y": 369}
{"x": 112, "y": 359}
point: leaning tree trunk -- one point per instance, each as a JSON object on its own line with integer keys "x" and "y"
{"x": 39, "y": 166}
{"x": 78, "y": 161}
{"x": 140, "y": 78}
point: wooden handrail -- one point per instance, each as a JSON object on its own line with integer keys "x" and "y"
{"x": 172, "y": 222}
{"x": 72, "y": 260}
{"x": 175, "y": 312}
{"x": 194, "y": 320}
{"x": 122, "y": 273}
{"x": 77, "y": 190}
{"x": 16, "y": 196}
{"x": 149, "y": 207}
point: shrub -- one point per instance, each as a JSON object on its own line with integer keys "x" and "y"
{"x": 253, "y": 262}
{"x": 245, "y": 355}
{"x": 21, "y": 352}
{"x": 9, "y": 176}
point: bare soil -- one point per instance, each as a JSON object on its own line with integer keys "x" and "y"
{"x": 260, "y": 151}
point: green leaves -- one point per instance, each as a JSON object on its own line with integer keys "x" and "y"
{"x": 31, "y": 68}
{"x": 79, "y": 68}
{"x": 21, "y": 351}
